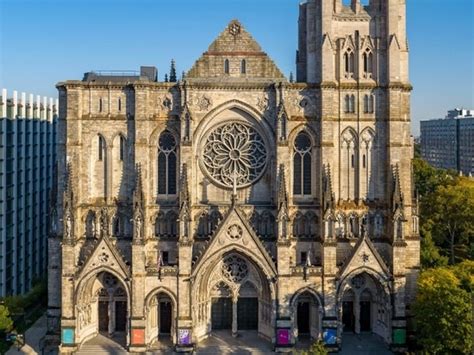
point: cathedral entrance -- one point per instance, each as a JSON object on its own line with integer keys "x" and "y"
{"x": 221, "y": 313}
{"x": 234, "y": 297}
{"x": 102, "y": 308}
{"x": 306, "y": 310}
{"x": 365, "y": 306}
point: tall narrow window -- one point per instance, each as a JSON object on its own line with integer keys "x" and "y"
{"x": 101, "y": 105}
{"x": 366, "y": 103}
{"x": 302, "y": 165}
{"x": 368, "y": 63}
{"x": 101, "y": 148}
{"x": 352, "y": 104}
{"x": 120, "y": 104}
{"x": 349, "y": 63}
{"x": 226, "y": 66}
{"x": 347, "y": 104}
{"x": 167, "y": 164}
{"x": 371, "y": 104}
{"x": 122, "y": 148}
{"x": 243, "y": 67}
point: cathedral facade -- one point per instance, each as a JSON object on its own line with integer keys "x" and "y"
{"x": 239, "y": 201}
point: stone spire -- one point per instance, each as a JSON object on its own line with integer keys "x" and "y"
{"x": 282, "y": 116}
{"x": 184, "y": 205}
{"x": 68, "y": 203}
{"x": 397, "y": 196}
{"x": 283, "y": 213}
{"x": 328, "y": 195}
{"x": 185, "y": 117}
{"x": 138, "y": 207}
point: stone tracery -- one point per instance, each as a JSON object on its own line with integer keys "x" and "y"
{"x": 234, "y": 151}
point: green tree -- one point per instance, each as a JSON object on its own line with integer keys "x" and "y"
{"x": 430, "y": 255}
{"x": 6, "y": 323}
{"x": 173, "y": 77}
{"x": 449, "y": 216}
{"x": 443, "y": 314}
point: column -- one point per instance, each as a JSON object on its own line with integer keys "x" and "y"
{"x": 234, "y": 317}
{"x": 357, "y": 313}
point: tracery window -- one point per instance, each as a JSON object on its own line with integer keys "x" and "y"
{"x": 267, "y": 225}
{"x": 369, "y": 103}
{"x": 234, "y": 151}
{"x": 167, "y": 164}
{"x": 302, "y": 162}
{"x": 234, "y": 268}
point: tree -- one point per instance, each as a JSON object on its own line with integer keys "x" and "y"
{"x": 173, "y": 77}
{"x": 449, "y": 216}
{"x": 6, "y": 323}
{"x": 430, "y": 256}
{"x": 443, "y": 314}
{"x": 166, "y": 78}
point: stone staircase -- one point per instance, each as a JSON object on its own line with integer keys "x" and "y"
{"x": 101, "y": 345}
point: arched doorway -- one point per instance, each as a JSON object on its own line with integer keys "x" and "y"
{"x": 233, "y": 295}
{"x": 103, "y": 308}
{"x": 161, "y": 315}
{"x": 307, "y": 314}
{"x": 365, "y": 306}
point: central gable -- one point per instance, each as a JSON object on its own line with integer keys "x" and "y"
{"x": 235, "y": 234}
{"x": 235, "y": 55}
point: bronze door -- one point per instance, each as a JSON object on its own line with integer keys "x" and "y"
{"x": 221, "y": 313}
{"x": 120, "y": 316}
{"x": 103, "y": 316}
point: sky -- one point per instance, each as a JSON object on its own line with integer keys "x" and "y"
{"x": 43, "y": 42}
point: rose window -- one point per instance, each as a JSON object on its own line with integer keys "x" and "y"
{"x": 234, "y": 268}
{"x": 234, "y": 154}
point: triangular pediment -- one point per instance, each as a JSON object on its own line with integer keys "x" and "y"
{"x": 231, "y": 48}
{"x": 105, "y": 255}
{"x": 365, "y": 255}
{"x": 236, "y": 234}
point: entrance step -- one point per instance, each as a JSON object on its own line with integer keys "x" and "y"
{"x": 101, "y": 345}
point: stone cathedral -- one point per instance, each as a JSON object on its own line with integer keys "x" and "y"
{"x": 235, "y": 200}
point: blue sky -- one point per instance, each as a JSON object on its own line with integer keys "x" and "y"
{"x": 43, "y": 42}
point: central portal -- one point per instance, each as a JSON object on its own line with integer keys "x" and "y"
{"x": 221, "y": 313}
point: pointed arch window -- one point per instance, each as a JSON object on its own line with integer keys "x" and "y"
{"x": 167, "y": 164}
{"x": 349, "y": 60}
{"x": 101, "y": 148}
{"x": 123, "y": 144}
{"x": 368, "y": 59}
{"x": 226, "y": 66}
{"x": 243, "y": 67}
{"x": 302, "y": 162}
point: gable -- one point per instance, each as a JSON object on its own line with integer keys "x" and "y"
{"x": 235, "y": 234}
{"x": 234, "y": 45}
{"x": 105, "y": 255}
{"x": 365, "y": 255}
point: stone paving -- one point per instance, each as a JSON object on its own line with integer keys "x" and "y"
{"x": 363, "y": 344}
{"x": 33, "y": 337}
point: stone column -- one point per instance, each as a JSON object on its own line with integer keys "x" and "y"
{"x": 234, "y": 317}
{"x": 357, "y": 313}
